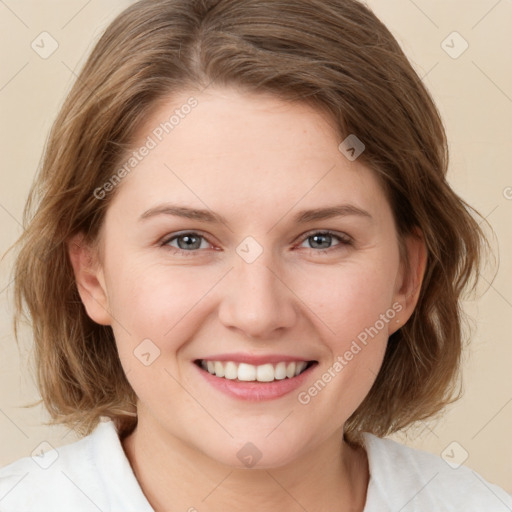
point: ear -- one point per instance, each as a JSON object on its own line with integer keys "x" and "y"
{"x": 410, "y": 279}
{"x": 89, "y": 279}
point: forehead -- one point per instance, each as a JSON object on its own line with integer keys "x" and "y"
{"x": 249, "y": 151}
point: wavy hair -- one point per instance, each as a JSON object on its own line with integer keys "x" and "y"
{"x": 333, "y": 54}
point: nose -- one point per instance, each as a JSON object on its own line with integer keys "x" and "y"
{"x": 256, "y": 299}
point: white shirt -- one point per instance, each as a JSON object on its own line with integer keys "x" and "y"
{"x": 94, "y": 474}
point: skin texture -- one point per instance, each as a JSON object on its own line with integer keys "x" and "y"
{"x": 257, "y": 161}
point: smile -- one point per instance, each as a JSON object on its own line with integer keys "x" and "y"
{"x": 254, "y": 373}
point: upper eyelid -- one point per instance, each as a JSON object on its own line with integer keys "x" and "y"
{"x": 168, "y": 238}
{"x": 343, "y": 237}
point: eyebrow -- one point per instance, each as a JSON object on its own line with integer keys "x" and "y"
{"x": 302, "y": 217}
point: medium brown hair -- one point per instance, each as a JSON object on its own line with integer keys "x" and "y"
{"x": 333, "y": 54}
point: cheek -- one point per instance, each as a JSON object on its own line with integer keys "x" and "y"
{"x": 157, "y": 303}
{"x": 355, "y": 311}
{"x": 350, "y": 298}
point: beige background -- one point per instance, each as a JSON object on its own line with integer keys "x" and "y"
{"x": 474, "y": 95}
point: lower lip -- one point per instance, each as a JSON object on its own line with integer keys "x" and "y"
{"x": 256, "y": 391}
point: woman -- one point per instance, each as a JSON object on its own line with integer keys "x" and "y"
{"x": 245, "y": 256}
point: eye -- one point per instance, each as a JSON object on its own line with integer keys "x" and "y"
{"x": 186, "y": 242}
{"x": 319, "y": 240}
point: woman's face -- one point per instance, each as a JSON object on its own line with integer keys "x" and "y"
{"x": 264, "y": 287}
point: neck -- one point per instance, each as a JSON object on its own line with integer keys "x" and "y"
{"x": 170, "y": 472}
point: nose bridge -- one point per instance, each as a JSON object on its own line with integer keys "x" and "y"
{"x": 256, "y": 300}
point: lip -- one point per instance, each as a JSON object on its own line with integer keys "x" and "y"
{"x": 256, "y": 391}
{"x": 254, "y": 359}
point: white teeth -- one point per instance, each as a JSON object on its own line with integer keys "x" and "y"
{"x": 265, "y": 373}
{"x": 300, "y": 367}
{"x": 280, "y": 371}
{"x": 230, "y": 370}
{"x": 250, "y": 373}
{"x": 246, "y": 372}
{"x": 219, "y": 369}
{"x": 290, "y": 370}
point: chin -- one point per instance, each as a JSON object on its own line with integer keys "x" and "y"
{"x": 256, "y": 452}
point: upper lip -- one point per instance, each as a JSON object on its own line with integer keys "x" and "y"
{"x": 254, "y": 359}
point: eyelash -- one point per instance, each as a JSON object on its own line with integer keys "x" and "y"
{"x": 344, "y": 240}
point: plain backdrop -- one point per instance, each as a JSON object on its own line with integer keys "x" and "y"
{"x": 469, "y": 75}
